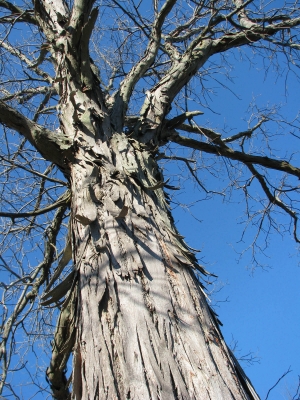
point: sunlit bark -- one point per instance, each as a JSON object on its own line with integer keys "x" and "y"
{"x": 144, "y": 329}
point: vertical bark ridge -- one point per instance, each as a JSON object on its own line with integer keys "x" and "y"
{"x": 147, "y": 371}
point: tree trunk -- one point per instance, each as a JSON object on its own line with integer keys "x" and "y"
{"x": 144, "y": 328}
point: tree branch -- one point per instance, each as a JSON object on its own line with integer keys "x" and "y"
{"x": 282, "y": 376}
{"x": 17, "y": 12}
{"x": 279, "y": 165}
{"x": 251, "y": 35}
{"x": 17, "y": 53}
{"x": 121, "y": 98}
{"x": 50, "y": 144}
{"x": 273, "y": 199}
{"x": 62, "y": 201}
{"x": 26, "y": 93}
{"x": 33, "y": 172}
{"x": 247, "y": 133}
{"x": 199, "y": 51}
{"x": 28, "y": 297}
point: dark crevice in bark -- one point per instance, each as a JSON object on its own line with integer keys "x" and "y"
{"x": 164, "y": 328}
{"x": 233, "y": 397}
{"x": 245, "y": 386}
{"x": 183, "y": 346}
{"x": 196, "y": 302}
{"x": 151, "y": 343}
{"x": 102, "y": 378}
{"x": 208, "y": 343}
{"x": 171, "y": 336}
{"x": 194, "y": 387}
{"x": 229, "y": 362}
{"x": 180, "y": 370}
{"x": 219, "y": 372}
{"x": 144, "y": 265}
{"x": 144, "y": 246}
{"x": 149, "y": 301}
{"x": 117, "y": 299}
{"x": 111, "y": 363}
{"x": 144, "y": 366}
{"x": 103, "y": 305}
{"x": 208, "y": 394}
{"x": 96, "y": 396}
{"x": 83, "y": 371}
{"x": 117, "y": 371}
{"x": 176, "y": 358}
{"x": 174, "y": 388}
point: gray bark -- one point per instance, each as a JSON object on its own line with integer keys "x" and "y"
{"x": 144, "y": 328}
{"x": 136, "y": 317}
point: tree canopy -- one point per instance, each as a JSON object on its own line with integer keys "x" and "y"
{"x": 154, "y": 70}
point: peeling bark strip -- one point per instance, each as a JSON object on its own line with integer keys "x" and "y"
{"x": 144, "y": 329}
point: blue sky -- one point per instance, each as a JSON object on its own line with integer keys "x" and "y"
{"x": 260, "y": 308}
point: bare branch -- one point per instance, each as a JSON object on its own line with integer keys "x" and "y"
{"x": 17, "y": 53}
{"x": 144, "y": 63}
{"x": 176, "y": 121}
{"x": 17, "y": 13}
{"x": 14, "y": 164}
{"x": 26, "y": 94}
{"x": 50, "y": 144}
{"x": 282, "y": 376}
{"x": 279, "y": 165}
{"x": 252, "y": 35}
{"x": 275, "y": 199}
{"x": 62, "y": 201}
{"x": 38, "y": 277}
{"x": 248, "y": 133}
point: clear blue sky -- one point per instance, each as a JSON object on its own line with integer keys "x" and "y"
{"x": 262, "y": 307}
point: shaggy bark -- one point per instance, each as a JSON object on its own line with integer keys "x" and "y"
{"x": 144, "y": 329}
{"x": 143, "y": 325}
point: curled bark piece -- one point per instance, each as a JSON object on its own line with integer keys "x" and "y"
{"x": 59, "y": 291}
{"x": 86, "y": 211}
{"x": 66, "y": 257}
{"x": 158, "y": 185}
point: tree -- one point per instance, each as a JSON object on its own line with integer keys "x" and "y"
{"x": 85, "y": 164}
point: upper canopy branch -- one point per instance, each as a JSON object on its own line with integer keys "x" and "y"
{"x": 121, "y": 98}
{"x": 26, "y": 94}
{"x": 199, "y": 52}
{"x": 253, "y": 34}
{"x": 213, "y": 136}
{"x": 14, "y": 164}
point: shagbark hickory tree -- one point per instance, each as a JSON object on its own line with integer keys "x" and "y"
{"x": 93, "y": 95}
